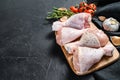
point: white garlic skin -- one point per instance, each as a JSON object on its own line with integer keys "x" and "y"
{"x": 111, "y": 24}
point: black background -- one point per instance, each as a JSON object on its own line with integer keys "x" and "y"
{"x": 27, "y": 44}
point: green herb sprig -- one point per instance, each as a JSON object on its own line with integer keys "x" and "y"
{"x": 57, "y": 14}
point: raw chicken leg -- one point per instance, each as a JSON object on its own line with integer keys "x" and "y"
{"x": 66, "y": 35}
{"x": 90, "y": 40}
{"x": 85, "y": 57}
{"x": 102, "y": 37}
{"x": 79, "y": 21}
{"x": 71, "y": 47}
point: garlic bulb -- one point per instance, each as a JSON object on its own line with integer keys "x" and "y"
{"x": 111, "y": 24}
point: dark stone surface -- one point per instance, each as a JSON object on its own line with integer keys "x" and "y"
{"x": 27, "y": 44}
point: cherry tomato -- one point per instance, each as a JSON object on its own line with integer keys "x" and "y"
{"x": 83, "y": 4}
{"x": 82, "y": 9}
{"x": 74, "y": 9}
{"x": 90, "y": 11}
{"x": 92, "y": 6}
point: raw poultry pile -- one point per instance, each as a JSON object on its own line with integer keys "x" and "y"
{"x": 85, "y": 42}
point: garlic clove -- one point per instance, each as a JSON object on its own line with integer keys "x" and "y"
{"x": 115, "y": 40}
{"x": 101, "y": 18}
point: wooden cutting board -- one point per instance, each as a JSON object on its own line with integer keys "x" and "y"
{"x": 105, "y": 61}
